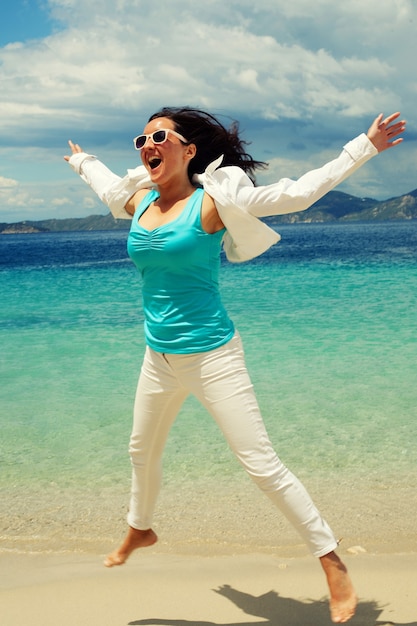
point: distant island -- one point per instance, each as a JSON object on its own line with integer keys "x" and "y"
{"x": 335, "y": 206}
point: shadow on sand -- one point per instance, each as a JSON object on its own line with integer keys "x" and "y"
{"x": 276, "y": 610}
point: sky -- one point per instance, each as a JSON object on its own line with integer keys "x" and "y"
{"x": 301, "y": 77}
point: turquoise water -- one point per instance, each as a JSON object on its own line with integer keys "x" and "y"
{"x": 328, "y": 320}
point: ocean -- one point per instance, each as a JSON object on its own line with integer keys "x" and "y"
{"x": 328, "y": 322}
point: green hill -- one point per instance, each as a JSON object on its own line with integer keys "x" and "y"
{"x": 334, "y": 206}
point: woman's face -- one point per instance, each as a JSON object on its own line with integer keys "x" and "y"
{"x": 165, "y": 160}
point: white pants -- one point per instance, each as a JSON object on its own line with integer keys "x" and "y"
{"x": 220, "y": 381}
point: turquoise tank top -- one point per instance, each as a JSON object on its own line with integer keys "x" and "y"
{"x": 179, "y": 263}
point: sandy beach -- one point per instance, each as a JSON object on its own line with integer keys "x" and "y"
{"x": 213, "y": 565}
{"x": 179, "y": 590}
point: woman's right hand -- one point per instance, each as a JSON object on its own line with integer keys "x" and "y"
{"x": 74, "y": 149}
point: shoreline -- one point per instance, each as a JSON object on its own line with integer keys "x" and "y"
{"x": 207, "y": 519}
{"x": 214, "y": 534}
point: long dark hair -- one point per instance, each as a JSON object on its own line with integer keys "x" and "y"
{"x": 211, "y": 138}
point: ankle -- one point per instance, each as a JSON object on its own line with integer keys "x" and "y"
{"x": 332, "y": 561}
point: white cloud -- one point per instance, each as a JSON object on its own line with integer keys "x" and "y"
{"x": 7, "y": 183}
{"x": 108, "y": 70}
{"x": 293, "y": 72}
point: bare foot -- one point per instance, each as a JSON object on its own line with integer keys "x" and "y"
{"x": 133, "y": 540}
{"x": 342, "y": 594}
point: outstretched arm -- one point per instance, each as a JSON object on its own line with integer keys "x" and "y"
{"x": 289, "y": 196}
{"x": 120, "y": 194}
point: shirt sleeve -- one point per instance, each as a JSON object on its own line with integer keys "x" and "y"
{"x": 289, "y": 196}
{"x": 112, "y": 189}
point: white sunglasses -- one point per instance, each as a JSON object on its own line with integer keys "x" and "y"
{"x": 158, "y": 136}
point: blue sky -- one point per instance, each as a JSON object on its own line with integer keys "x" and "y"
{"x": 302, "y": 78}
{"x": 22, "y": 21}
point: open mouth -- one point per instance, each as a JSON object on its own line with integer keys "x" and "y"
{"x": 154, "y": 162}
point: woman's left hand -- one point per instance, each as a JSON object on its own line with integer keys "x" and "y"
{"x": 382, "y": 133}
{"x": 74, "y": 149}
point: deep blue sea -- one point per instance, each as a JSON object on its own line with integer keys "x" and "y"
{"x": 328, "y": 319}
